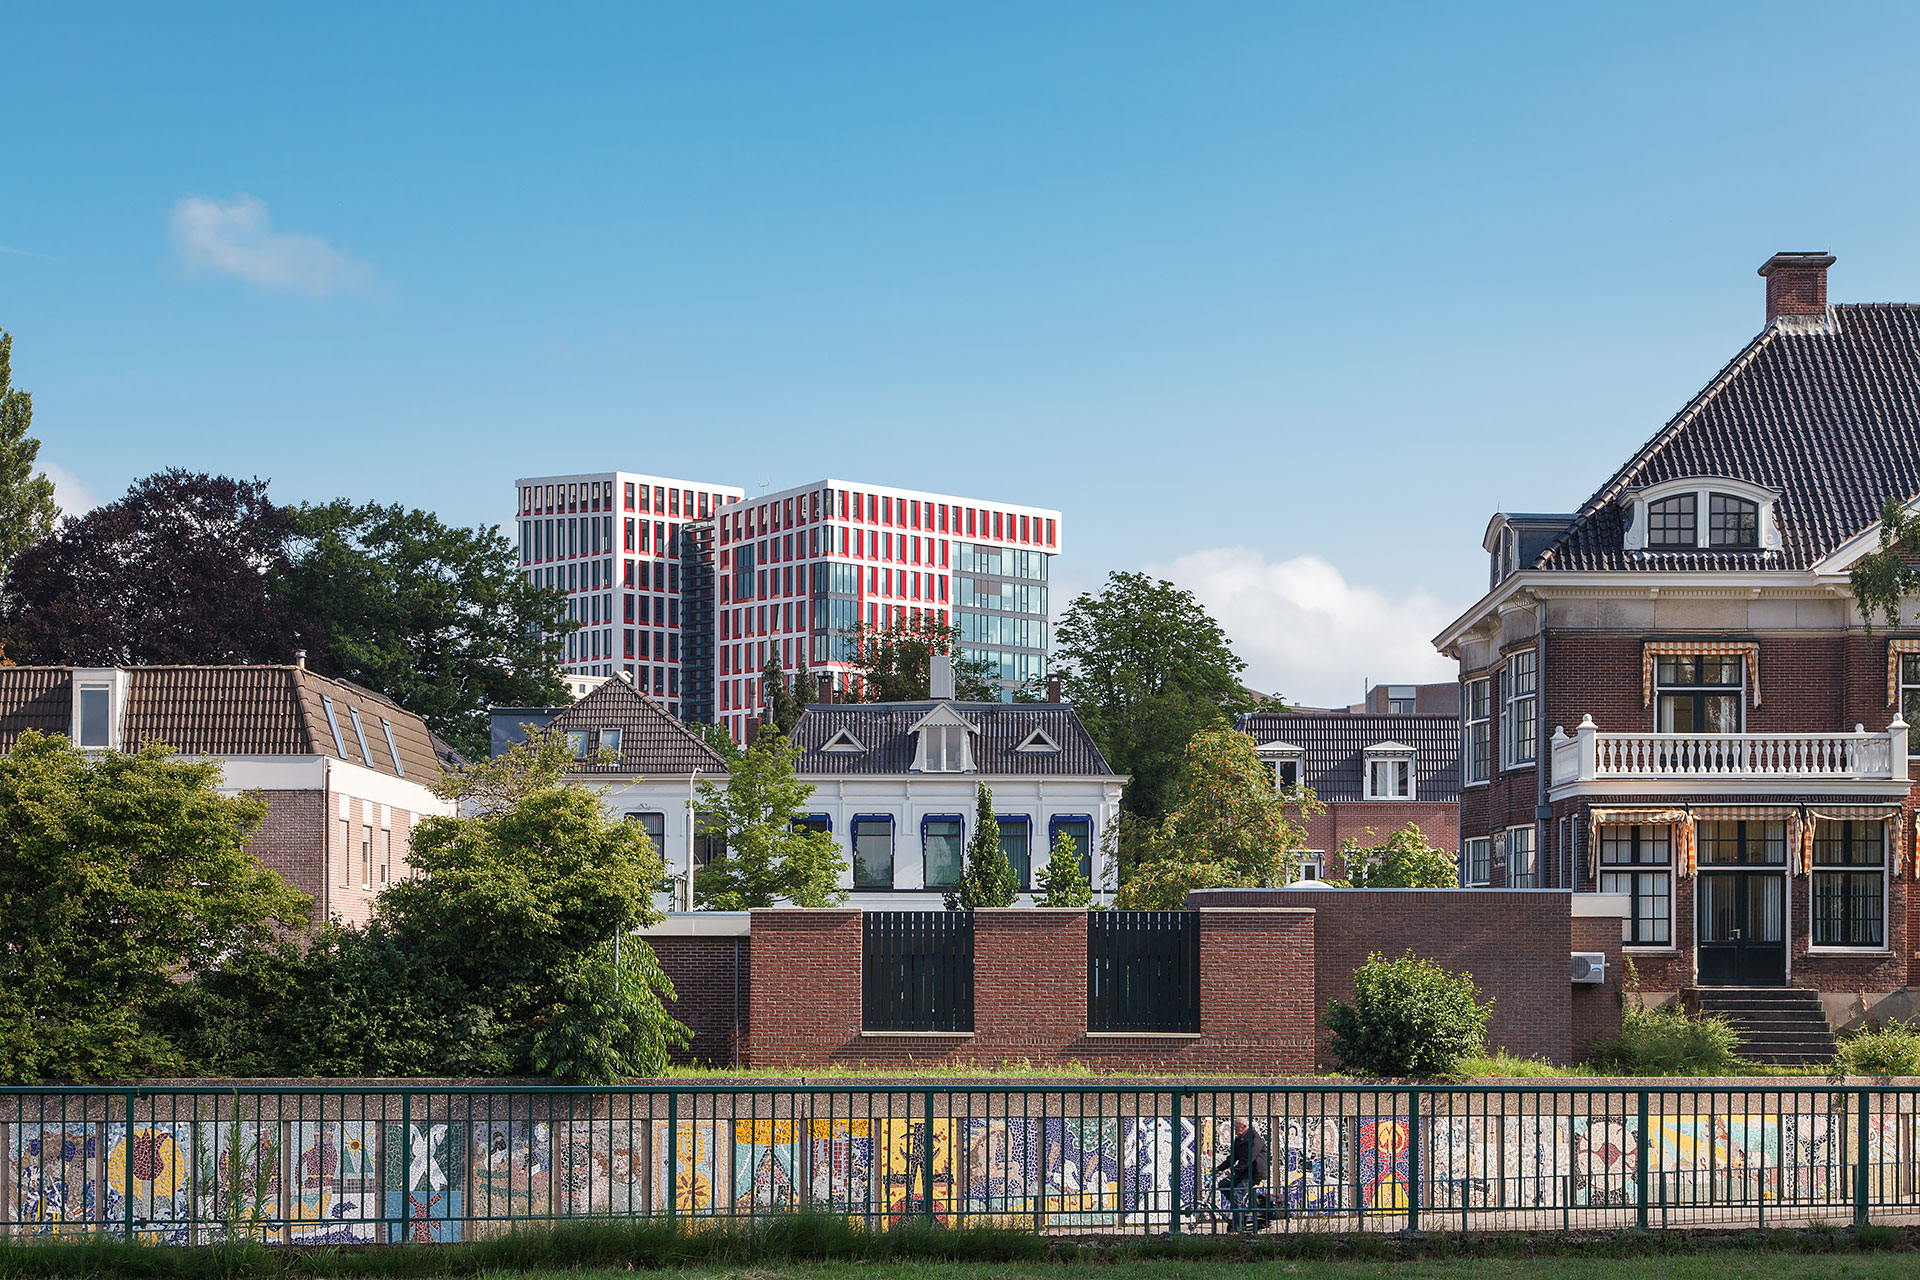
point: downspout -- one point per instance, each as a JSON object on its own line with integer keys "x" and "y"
{"x": 736, "y": 1002}
{"x": 326, "y": 839}
{"x": 1542, "y": 761}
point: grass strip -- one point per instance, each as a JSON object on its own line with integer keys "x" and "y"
{"x": 814, "y": 1239}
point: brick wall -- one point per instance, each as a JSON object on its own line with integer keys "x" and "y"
{"x": 292, "y": 841}
{"x": 1515, "y": 943}
{"x": 1371, "y": 822}
{"x": 1596, "y": 1007}
{"x": 712, "y": 981}
{"x": 1257, "y": 995}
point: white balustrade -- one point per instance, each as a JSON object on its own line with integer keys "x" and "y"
{"x": 1590, "y": 755}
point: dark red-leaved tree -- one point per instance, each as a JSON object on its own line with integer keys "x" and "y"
{"x": 185, "y": 569}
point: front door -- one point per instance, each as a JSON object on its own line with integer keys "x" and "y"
{"x": 1742, "y": 928}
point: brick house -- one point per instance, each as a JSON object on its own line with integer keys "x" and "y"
{"x": 1669, "y": 693}
{"x": 1374, "y": 773}
{"x": 344, "y": 772}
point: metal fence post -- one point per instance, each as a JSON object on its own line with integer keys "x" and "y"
{"x": 406, "y": 1163}
{"x": 1860, "y": 1188}
{"x": 1641, "y": 1146}
{"x": 673, "y": 1156}
{"x": 127, "y": 1190}
{"x": 1176, "y": 1166}
{"x": 926, "y": 1162}
{"x": 1413, "y": 1160}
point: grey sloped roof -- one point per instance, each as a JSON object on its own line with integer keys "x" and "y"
{"x": 1335, "y": 743}
{"x": 651, "y": 741}
{"x": 1827, "y": 414}
{"x": 885, "y": 729}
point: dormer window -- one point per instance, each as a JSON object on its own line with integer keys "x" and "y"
{"x": 1389, "y": 771}
{"x": 98, "y": 695}
{"x": 1701, "y": 514}
{"x": 1037, "y": 744}
{"x": 844, "y": 743}
{"x": 1284, "y": 761}
{"x": 96, "y": 702}
{"x": 945, "y": 744}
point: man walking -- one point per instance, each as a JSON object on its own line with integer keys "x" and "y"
{"x": 1244, "y": 1169}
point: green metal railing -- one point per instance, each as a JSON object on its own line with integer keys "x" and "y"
{"x": 429, "y": 1162}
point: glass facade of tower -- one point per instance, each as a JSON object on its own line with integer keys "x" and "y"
{"x": 1000, "y": 606}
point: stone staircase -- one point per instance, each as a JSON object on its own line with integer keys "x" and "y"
{"x": 1781, "y": 1025}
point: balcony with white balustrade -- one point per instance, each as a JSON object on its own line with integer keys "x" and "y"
{"x": 1678, "y": 765}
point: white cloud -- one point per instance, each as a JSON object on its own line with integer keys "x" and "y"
{"x": 237, "y": 239}
{"x": 73, "y": 497}
{"x": 1308, "y": 633}
{"x": 24, "y": 253}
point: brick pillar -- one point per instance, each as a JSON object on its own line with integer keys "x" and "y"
{"x": 1257, "y": 997}
{"x": 1029, "y": 980}
{"x": 805, "y": 984}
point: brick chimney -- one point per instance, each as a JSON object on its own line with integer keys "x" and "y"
{"x": 1796, "y": 284}
{"x": 1053, "y": 687}
{"x": 825, "y": 686}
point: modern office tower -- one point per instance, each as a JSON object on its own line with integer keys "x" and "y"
{"x": 688, "y": 587}
{"x": 619, "y": 545}
{"x": 799, "y": 569}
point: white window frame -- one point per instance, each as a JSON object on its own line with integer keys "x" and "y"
{"x": 1533, "y": 856}
{"x": 1483, "y": 723}
{"x": 1909, "y": 688}
{"x": 1313, "y": 864}
{"x": 1275, "y": 754}
{"x": 1512, "y": 742}
{"x": 1376, "y": 756}
{"x": 1819, "y": 869}
{"x": 1661, "y": 690}
{"x": 1703, "y": 489}
{"x": 1467, "y": 850}
{"x": 1603, "y": 868}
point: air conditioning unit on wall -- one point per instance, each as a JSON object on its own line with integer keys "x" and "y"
{"x": 1589, "y": 966}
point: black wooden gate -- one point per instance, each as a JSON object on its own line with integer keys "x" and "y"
{"x": 1143, "y": 971}
{"x": 917, "y": 971}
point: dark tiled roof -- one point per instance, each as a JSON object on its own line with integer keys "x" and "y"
{"x": 1826, "y": 414}
{"x": 1335, "y": 745}
{"x": 651, "y": 741}
{"x": 885, "y": 729}
{"x": 34, "y": 698}
{"x": 231, "y": 711}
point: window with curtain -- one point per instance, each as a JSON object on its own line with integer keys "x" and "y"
{"x": 1016, "y": 842}
{"x": 944, "y": 851}
{"x": 1742, "y": 843}
{"x": 873, "y": 853}
{"x": 1850, "y": 884}
{"x": 1638, "y": 861}
{"x": 1699, "y": 694}
{"x": 1079, "y": 831}
{"x": 655, "y": 825}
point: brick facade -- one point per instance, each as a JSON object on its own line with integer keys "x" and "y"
{"x": 1030, "y": 996}
{"x": 712, "y": 983}
{"x": 1515, "y": 943}
{"x": 1371, "y": 822}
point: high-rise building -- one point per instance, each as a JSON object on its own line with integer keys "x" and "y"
{"x": 629, "y": 552}
{"x": 688, "y": 588}
{"x": 798, "y": 570}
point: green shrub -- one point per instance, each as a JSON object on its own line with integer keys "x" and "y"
{"x": 1666, "y": 1041}
{"x": 1409, "y": 1017}
{"x": 1892, "y": 1049}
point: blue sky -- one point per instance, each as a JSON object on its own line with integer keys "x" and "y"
{"x": 1281, "y": 300}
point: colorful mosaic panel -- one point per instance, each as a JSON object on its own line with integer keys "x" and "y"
{"x": 53, "y": 1174}
{"x": 1080, "y": 1172}
{"x": 425, "y": 1181}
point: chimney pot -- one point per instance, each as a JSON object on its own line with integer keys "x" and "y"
{"x": 300, "y": 659}
{"x": 1796, "y": 284}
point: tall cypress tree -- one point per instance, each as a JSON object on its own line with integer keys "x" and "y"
{"x": 27, "y": 511}
{"x": 989, "y": 880}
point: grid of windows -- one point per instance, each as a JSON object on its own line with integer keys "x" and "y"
{"x": 1699, "y": 694}
{"x": 1518, "y": 723}
{"x": 1638, "y": 862}
{"x": 1733, "y": 523}
{"x": 1850, "y": 884}
{"x": 1479, "y": 859}
{"x": 1476, "y": 748}
{"x": 1674, "y": 522}
{"x": 1742, "y": 843}
{"x": 1523, "y": 864}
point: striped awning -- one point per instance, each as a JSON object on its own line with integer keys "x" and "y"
{"x": 1679, "y": 819}
{"x": 1889, "y": 814}
{"x": 1653, "y": 650}
{"x": 1897, "y": 648}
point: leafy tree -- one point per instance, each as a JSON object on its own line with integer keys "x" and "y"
{"x": 1883, "y": 578}
{"x": 1409, "y": 1017}
{"x": 785, "y": 701}
{"x": 1405, "y": 861}
{"x": 1229, "y": 827}
{"x": 521, "y": 904}
{"x": 891, "y": 663}
{"x": 768, "y": 857}
{"x": 181, "y": 570}
{"x": 1060, "y": 883}
{"x": 988, "y": 880}
{"x": 1146, "y": 668}
{"x": 438, "y": 618}
{"x": 120, "y": 875}
{"x": 27, "y": 511}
